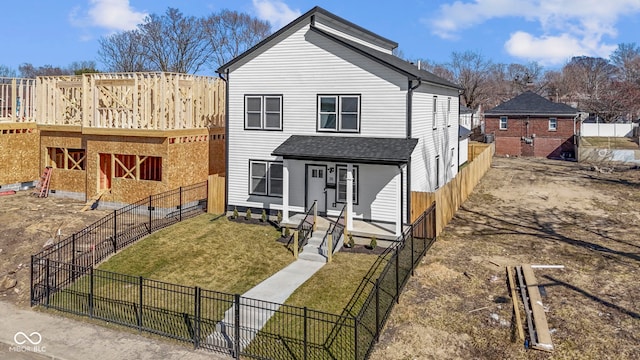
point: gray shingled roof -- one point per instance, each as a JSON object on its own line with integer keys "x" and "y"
{"x": 530, "y": 103}
{"x": 389, "y": 60}
{"x": 463, "y": 132}
{"x": 353, "y": 149}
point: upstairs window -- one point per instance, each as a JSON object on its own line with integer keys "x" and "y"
{"x": 553, "y": 124}
{"x": 339, "y": 113}
{"x": 503, "y": 123}
{"x": 448, "y": 111}
{"x": 263, "y": 112}
{"x": 434, "y": 109}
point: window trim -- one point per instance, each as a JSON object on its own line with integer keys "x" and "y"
{"x": 339, "y": 112}
{"x": 437, "y": 171}
{"x": 453, "y": 156}
{"x": 434, "y": 112}
{"x": 263, "y": 112}
{"x": 356, "y": 180}
{"x": 448, "y": 112}
{"x": 555, "y": 121}
{"x": 506, "y": 123}
{"x": 268, "y": 164}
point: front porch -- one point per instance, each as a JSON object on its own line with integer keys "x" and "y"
{"x": 364, "y": 230}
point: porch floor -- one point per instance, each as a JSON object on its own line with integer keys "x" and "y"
{"x": 361, "y": 228}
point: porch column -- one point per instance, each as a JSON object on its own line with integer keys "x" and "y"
{"x": 349, "y": 197}
{"x": 285, "y": 190}
{"x": 399, "y": 202}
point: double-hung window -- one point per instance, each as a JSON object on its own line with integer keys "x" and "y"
{"x": 553, "y": 124}
{"x": 434, "y": 109}
{"x": 339, "y": 113}
{"x": 437, "y": 171}
{"x": 503, "y": 123}
{"x": 341, "y": 193}
{"x": 265, "y": 178}
{"x": 263, "y": 112}
{"x": 448, "y": 115}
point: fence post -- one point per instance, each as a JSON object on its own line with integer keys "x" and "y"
{"x": 46, "y": 277}
{"x": 377, "y": 285}
{"x": 150, "y": 214}
{"x": 180, "y": 205}
{"x": 196, "y": 319}
{"x": 115, "y": 229}
{"x": 73, "y": 249}
{"x": 413, "y": 263}
{"x": 140, "y": 285}
{"x": 91, "y": 292}
{"x": 295, "y": 244}
{"x": 31, "y": 292}
{"x": 236, "y": 327}
{"x": 315, "y": 215}
{"x": 305, "y": 334}
{"x": 398, "y": 275}
{"x": 329, "y": 247}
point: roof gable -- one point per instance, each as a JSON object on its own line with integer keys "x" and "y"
{"x": 530, "y": 103}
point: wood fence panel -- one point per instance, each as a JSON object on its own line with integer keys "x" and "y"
{"x": 451, "y": 196}
{"x": 216, "y": 192}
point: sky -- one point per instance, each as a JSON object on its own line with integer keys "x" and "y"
{"x": 57, "y": 33}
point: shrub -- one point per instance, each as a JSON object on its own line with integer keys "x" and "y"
{"x": 373, "y": 243}
{"x": 287, "y": 233}
{"x": 235, "y": 213}
{"x": 279, "y": 217}
{"x": 247, "y": 215}
{"x": 350, "y": 243}
{"x": 264, "y": 216}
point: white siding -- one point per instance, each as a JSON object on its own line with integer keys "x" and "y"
{"x": 299, "y": 68}
{"x": 464, "y": 151}
{"x": 432, "y": 143}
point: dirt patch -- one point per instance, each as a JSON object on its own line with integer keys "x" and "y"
{"x": 529, "y": 211}
{"x": 27, "y": 223}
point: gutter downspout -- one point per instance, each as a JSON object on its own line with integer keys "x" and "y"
{"x": 226, "y": 138}
{"x": 411, "y": 88}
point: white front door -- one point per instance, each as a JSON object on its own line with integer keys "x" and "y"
{"x": 316, "y": 183}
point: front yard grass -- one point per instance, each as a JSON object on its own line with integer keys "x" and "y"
{"x": 209, "y": 252}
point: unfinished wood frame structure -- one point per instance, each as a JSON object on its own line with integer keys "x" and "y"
{"x": 134, "y": 134}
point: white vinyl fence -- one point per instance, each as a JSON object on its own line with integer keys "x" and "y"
{"x": 607, "y": 130}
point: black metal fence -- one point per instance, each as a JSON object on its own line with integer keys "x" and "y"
{"x": 120, "y": 228}
{"x": 230, "y": 323}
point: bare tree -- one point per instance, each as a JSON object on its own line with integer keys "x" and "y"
{"x": 626, "y": 58}
{"x": 122, "y": 52}
{"x": 27, "y": 70}
{"x": 6, "y": 71}
{"x": 82, "y": 67}
{"x": 470, "y": 70}
{"x": 174, "y": 42}
{"x": 230, "y": 33}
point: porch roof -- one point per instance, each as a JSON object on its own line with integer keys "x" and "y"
{"x": 365, "y": 150}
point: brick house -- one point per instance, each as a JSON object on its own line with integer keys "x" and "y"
{"x": 531, "y": 125}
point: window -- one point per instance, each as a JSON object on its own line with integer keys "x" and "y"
{"x": 137, "y": 167}
{"x": 341, "y": 193}
{"x": 553, "y": 124}
{"x": 453, "y": 157}
{"x": 339, "y": 113}
{"x": 503, "y": 123}
{"x": 67, "y": 159}
{"x": 437, "y": 171}
{"x": 265, "y": 178}
{"x": 263, "y": 112}
{"x": 435, "y": 112}
{"x": 448, "y": 111}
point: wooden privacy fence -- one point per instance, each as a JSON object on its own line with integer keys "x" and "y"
{"x": 450, "y": 197}
{"x": 216, "y": 194}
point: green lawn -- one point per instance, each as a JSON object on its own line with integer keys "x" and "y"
{"x": 214, "y": 254}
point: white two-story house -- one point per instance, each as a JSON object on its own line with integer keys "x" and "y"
{"x": 323, "y": 111}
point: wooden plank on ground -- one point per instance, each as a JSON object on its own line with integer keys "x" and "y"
{"x": 539, "y": 317}
{"x": 95, "y": 198}
{"x": 514, "y": 300}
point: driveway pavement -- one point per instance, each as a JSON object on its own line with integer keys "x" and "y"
{"x": 23, "y": 331}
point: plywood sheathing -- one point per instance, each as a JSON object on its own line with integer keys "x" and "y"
{"x": 188, "y": 162}
{"x": 19, "y": 153}
{"x": 61, "y": 179}
{"x": 217, "y": 163}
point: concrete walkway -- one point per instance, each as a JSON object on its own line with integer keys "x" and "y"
{"x": 68, "y": 339}
{"x": 260, "y": 303}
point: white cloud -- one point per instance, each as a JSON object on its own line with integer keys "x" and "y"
{"x": 566, "y": 28}
{"x": 114, "y": 15}
{"x": 276, "y": 12}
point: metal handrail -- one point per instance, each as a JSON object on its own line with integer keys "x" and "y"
{"x": 305, "y": 228}
{"x": 335, "y": 229}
